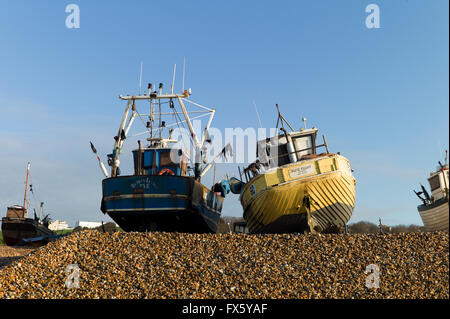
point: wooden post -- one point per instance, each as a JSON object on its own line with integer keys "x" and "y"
{"x": 325, "y": 142}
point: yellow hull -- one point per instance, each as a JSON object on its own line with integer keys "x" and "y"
{"x": 312, "y": 195}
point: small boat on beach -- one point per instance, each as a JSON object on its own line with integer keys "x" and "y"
{"x": 165, "y": 192}
{"x": 17, "y": 228}
{"x": 293, "y": 188}
{"x": 434, "y": 208}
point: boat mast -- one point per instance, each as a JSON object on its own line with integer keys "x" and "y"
{"x": 198, "y": 146}
{"x": 159, "y": 108}
{"x": 152, "y": 118}
{"x": 26, "y": 187}
{"x": 290, "y": 145}
{"x": 115, "y": 160}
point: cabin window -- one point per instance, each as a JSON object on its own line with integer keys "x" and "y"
{"x": 165, "y": 160}
{"x": 272, "y": 152}
{"x": 275, "y": 150}
{"x": 148, "y": 159}
{"x": 263, "y": 151}
{"x": 283, "y": 155}
{"x": 302, "y": 143}
{"x": 434, "y": 182}
{"x": 278, "y": 155}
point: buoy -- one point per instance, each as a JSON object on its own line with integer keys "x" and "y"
{"x": 166, "y": 170}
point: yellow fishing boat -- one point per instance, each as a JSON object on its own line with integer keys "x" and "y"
{"x": 292, "y": 188}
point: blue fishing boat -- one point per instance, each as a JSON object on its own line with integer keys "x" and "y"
{"x": 165, "y": 192}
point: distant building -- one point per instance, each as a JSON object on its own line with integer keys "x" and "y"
{"x": 240, "y": 227}
{"x": 87, "y": 224}
{"x": 58, "y": 225}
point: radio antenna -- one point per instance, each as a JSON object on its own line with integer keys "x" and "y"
{"x": 140, "y": 80}
{"x": 257, "y": 113}
{"x": 173, "y": 79}
{"x": 184, "y": 67}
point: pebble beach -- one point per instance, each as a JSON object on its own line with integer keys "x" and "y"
{"x": 222, "y": 266}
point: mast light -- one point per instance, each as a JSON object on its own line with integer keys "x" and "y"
{"x": 304, "y": 122}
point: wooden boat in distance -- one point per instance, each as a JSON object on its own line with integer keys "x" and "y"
{"x": 434, "y": 210}
{"x": 17, "y": 227}
{"x": 291, "y": 188}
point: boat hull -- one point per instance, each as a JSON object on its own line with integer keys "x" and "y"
{"x": 161, "y": 203}
{"x": 317, "y": 195}
{"x": 14, "y": 230}
{"x": 435, "y": 216}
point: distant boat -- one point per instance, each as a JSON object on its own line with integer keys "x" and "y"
{"x": 17, "y": 227}
{"x": 292, "y": 188}
{"x": 434, "y": 209}
{"x": 164, "y": 193}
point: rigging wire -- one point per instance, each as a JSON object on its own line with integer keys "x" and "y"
{"x": 143, "y": 122}
{"x": 35, "y": 197}
{"x": 184, "y": 127}
{"x": 176, "y": 115}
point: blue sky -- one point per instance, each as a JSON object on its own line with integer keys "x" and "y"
{"x": 379, "y": 95}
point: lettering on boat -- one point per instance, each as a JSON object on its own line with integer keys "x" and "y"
{"x": 144, "y": 183}
{"x": 301, "y": 170}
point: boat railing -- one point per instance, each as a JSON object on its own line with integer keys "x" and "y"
{"x": 306, "y": 149}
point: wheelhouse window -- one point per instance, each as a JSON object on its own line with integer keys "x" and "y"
{"x": 435, "y": 183}
{"x": 283, "y": 155}
{"x": 303, "y": 145}
{"x": 273, "y": 152}
{"x": 165, "y": 159}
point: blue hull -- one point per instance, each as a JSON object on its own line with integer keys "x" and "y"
{"x": 161, "y": 203}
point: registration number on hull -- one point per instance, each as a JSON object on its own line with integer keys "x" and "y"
{"x": 301, "y": 170}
